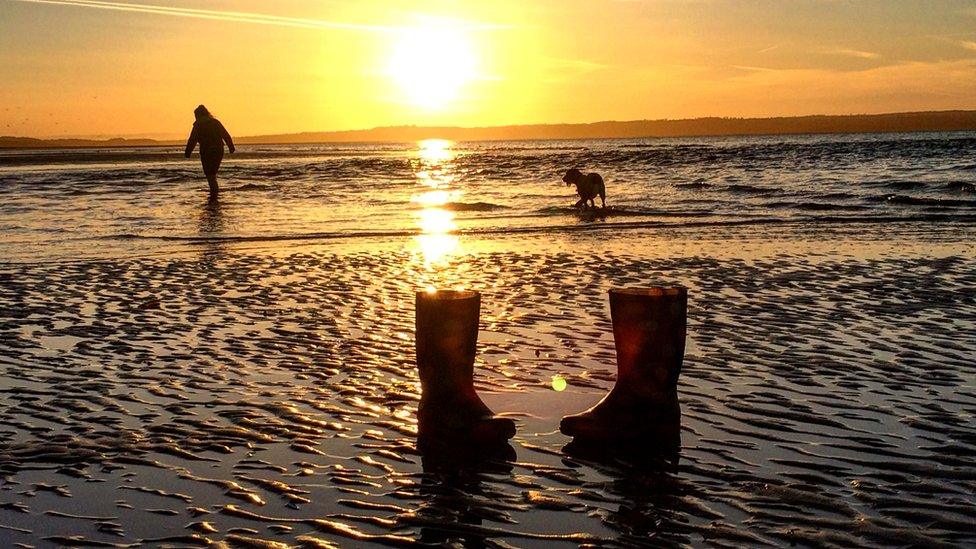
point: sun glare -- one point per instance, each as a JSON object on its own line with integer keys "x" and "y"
{"x": 431, "y": 64}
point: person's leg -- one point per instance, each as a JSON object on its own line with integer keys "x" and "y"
{"x": 211, "y": 163}
{"x": 212, "y": 180}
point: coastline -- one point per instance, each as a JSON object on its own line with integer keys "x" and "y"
{"x": 849, "y": 124}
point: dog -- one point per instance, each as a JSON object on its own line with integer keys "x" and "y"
{"x": 587, "y": 187}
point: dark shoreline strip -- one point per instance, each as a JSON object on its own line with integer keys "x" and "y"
{"x": 831, "y": 220}
{"x": 942, "y": 219}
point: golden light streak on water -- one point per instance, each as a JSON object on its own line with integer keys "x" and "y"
{"x": 437, "y": 243}
{"x": 436, "y": 150}
{"x": 436, "y": 221}
{"x": 437, "y": 248}
{"x": 435, "y": 198}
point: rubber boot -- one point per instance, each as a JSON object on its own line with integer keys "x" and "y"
{"x": 642, "y": 408}
{"x": 450, "y": 412}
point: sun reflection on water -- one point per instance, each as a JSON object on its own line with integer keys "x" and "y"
{"x": 435, "y": 221}
{"x": 436, "y": 150}
{"x": 437, "y": 243}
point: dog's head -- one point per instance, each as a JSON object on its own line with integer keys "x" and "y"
{"x": 572, "y": 176}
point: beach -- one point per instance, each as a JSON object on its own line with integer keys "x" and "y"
{"x": 185, "y": 373}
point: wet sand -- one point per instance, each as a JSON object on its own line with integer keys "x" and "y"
{"x": 265, "y": 396}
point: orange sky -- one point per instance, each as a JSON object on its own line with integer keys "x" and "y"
{"x": 86, "y": 67}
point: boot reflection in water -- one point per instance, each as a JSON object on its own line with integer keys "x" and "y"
{"x": 642, "y": 408}
{"x": 450, "y": 410}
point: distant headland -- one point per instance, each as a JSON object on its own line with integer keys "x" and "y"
{"x": 959, "y": 120}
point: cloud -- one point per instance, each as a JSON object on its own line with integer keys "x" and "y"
{"x": 968, "y": 44}
{"x": 237, "y": 16}
{"x": 852, "y": 53}
{"x": 901, "y": 87}
{"x": 751, "y": 68}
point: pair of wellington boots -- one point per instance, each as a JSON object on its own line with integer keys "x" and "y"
{"x": 640, "y": 411}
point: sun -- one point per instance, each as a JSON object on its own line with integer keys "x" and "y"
{"x": 431, "y": 64}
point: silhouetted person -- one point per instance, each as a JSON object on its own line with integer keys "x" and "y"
{"x": 211, "y": 135}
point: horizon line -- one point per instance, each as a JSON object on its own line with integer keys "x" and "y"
{"x": 105, "y": 138}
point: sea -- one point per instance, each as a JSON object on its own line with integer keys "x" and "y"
{"x": 63, "y": 204}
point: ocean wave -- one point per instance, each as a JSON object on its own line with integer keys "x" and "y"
{"x": 252, "y": 187}
{"x": 961, "y": 186}
{"x": 903, "y": 200}
{"x": 696, "y": 185}
{"x": 567, "y": 228}
{"x": 473, "y": 207}
{"x": 496, "y": 173}
{"x": 819, "y": 206}
{"x": 609, "y": 211}
{"x": 837, "y": 196}
{"x": 751, "y": 189}
{"x": 904, "y": 185}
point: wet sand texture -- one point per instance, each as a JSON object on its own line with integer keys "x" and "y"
{"x": 258, "y": 398}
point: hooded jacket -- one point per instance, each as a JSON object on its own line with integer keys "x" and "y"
{"x": 211, "y": 136}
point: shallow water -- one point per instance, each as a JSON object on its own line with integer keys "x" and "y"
{"x": 58, "y": 204}
{"x": 267, "y": 395}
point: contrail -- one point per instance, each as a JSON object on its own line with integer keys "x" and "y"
{"x": 235, "y": 16}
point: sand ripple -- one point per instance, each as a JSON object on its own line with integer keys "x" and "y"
{"x": 267, "y": 400}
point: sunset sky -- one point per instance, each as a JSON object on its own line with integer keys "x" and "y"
{"x": 85, "y": 68}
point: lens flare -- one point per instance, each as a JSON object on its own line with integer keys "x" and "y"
{"x": 558, "y": 383}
